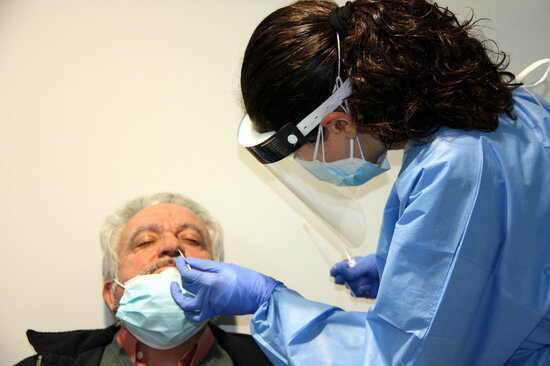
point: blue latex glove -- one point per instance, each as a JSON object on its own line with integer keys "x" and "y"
{"x": 220, "y": 289}
{"x": 362, "y": 279}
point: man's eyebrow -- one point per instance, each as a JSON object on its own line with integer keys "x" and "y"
{"x": 138, "y": 230}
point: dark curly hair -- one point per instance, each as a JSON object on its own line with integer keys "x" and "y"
{"x": 413, "y": 67}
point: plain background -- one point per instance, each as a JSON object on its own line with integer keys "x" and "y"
{"x": 105, "y": 100}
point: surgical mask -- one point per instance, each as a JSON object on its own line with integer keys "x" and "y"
{"x": 150, "y": 314}
{"x": 346, "y": 172}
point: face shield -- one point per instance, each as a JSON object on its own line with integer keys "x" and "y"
{"x": 337, "y": 206}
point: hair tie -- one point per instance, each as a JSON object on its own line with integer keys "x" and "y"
{"x": 340, "y": 18}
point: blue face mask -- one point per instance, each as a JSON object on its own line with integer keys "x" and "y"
{"x": 150, "y": 314}
{"x": 346, "y": 172}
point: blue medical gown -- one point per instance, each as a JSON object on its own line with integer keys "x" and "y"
{"x": 464, "y": 259}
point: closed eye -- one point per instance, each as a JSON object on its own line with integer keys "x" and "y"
{"x": 192, "y": 241}
{"x": 144, "y": 239}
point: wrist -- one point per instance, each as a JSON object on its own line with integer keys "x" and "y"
{"x": 268, "y": 288}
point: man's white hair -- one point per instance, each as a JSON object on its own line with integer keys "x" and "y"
{"x": 110, "y": 233}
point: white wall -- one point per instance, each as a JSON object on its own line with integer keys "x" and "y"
{"x": 101, "y": 101}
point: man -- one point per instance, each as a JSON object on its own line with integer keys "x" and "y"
{"x": 140, "y": 243}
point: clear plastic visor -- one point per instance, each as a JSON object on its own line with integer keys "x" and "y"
{"x": 337, "y": 206}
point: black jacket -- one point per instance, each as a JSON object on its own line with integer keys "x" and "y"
{"x": 85, "y": 347}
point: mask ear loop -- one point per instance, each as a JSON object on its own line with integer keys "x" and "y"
{"x": 338, "y": 83}
{"x": 118, "y": 283}
{"x": 319, "y": 137}
{"x": 351, "y": 143}
{"x": 360, "y": 149}
{"x": 345, "y": 106}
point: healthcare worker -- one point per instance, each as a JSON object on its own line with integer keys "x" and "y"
{"x": 462, "y": 269}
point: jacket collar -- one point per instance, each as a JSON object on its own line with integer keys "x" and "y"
{"x": 70, "y": 343}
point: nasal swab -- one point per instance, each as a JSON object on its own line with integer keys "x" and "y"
{"x": 188, "y": 266}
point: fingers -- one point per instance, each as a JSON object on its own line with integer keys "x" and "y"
{"x": 204, "y": 264}
{"x": 196, "y": 316}
{"x": 178, "y": 296}
{"x": 338, "y": 267}
{"x": 347, "y": 273}
{"x": 339, "y": 280}
{"x": 365, "y": 289}
{"x": 185, "y": 301}
{"x": 189, "y": 276}
{"x": 365, "y": 267}
{"x": 374, "y": 291}
{"x": 190, "y": 279}
{"x": 191, "y": 306}
{"x": 181, "y": 265}
{"x": 368, "y": 263}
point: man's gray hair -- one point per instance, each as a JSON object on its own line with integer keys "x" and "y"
{"x": 110, "y": 233}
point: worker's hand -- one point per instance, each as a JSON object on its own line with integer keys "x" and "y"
{"x": 219, "y": 289}
{"x": 362, "y": 279}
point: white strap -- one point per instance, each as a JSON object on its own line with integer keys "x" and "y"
{"x": 523, "y": 74}
{"x": 320, "y": 138}
{"x": 334, "y": 101}
{"x": 360, "y": 149}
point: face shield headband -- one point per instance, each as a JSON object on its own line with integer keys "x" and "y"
{"x": 273, "y": 146}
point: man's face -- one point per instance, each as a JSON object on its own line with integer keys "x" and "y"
{"x": 150, "y": 241}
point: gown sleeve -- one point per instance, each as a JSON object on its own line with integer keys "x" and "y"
{"x": 292, "y": 330}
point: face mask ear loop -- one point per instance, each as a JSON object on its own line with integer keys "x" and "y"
{"x": 322, "y": 141}
{"x": 320, "y": 137}
{"x": 360, "y": 149}
{"x": 120, "y": 284}
{"x": 337, "y": 85}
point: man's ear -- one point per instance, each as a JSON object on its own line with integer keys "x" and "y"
{"x": 109, "y": 294}
{"x": 340, "y": 122}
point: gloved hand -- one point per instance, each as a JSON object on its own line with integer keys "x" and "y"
{"x": 219, "y": 289}
{"x": 362, "y": 279}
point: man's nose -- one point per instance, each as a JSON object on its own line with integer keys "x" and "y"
{"x": 169, "y": 246}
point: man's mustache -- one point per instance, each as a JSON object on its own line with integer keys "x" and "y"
{"x": 161, "y": 263}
